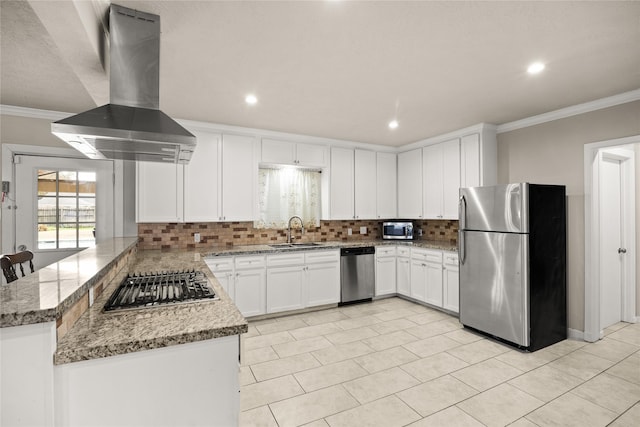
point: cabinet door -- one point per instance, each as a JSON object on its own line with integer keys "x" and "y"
{"x": 341, "y": 191}
{"x": 432, "y": 181}
{"x": 410, "y": 184}
{"x": 386, "y": 186}
{"x": 284, "y": 288}
{"x": 159, "y": 192}
{"x": 450, "y": 178}
{"x": 433, "y": 273}
{"x": 385, "y": 276}
{"x": 470, "y": 161}
{"x": 403, "y": 281}
{"x": 323, "y": 284}
{"x": 311, "y": 155}
{"x": 278, "y": 151}
{"x": 225, "y": 278}
{"x": 451, "y": 289}
{"x": 202, "y": 181}
{"x": 239, "y": 178}
{"x": 250, "y": 292}
{"x": 418, "y": 280}
{"x": 365, "y": 184}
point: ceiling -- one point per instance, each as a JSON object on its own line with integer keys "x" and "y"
{"x": 335, "y": 69}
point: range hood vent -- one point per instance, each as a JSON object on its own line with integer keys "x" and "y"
{"x": 131, "y": 127}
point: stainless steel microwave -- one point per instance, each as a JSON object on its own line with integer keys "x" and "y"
{"x": 401, "y": 230}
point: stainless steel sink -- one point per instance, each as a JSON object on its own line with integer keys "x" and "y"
{"x": 294, "y": 245}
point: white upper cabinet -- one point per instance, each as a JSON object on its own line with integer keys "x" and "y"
{"x": 478, "y": 159}
{"x": 239, "y": 178}
{"x": 341, "y": 185}
{"x": 352, "y": 184}
{"x": 159, "y": 192}
{"x": 365, "y": 184}
{"x": 441, "y": 174}
{"x": 410, "y": 184}
{"x": 291, "y": 153}
{"x": 218, "y": 184}
{"x": 202, "y": 181}
{"x": 386, "y": 185}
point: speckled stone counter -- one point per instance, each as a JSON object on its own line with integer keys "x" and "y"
{"x": 49, "y": 292}
{"x": 98, "y": 334}
{"x": 267, "y": 249}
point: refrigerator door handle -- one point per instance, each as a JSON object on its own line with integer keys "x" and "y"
{"x": 462, "y": 216}
{"x": 462, "y": 212}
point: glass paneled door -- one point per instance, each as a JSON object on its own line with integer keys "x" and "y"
{"x": 64, "y": 205}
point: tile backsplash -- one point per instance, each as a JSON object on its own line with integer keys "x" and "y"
{"x": 181, "y": 235}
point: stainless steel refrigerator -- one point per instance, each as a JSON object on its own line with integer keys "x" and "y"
{"x": 512, "y": 252}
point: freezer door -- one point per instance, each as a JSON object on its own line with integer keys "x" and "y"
{"x": 496, "y": 208}
{"x": 494, "y": 285}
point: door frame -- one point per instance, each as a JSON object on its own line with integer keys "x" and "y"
{"x": 592, "y": 152}
{"x": 124, "y": 216}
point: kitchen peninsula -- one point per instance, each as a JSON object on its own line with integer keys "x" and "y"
{"x": 63, "y": 359}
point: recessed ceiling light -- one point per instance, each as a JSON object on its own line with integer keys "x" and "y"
{"x": 535, "y": 68}
{"x": 251, "y": 99}
{"x": 393, "y": 124}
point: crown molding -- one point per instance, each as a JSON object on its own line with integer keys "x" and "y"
{"x": 573, "y": 110}
{"x": 33, "y": 113}
{"x": 477, "y": 128}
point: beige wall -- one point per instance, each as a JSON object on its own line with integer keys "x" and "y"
{"x": 553, "y": 153}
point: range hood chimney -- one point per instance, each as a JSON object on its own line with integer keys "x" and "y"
{"x": 131, "y": 127}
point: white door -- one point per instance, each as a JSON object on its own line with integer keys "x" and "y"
{"x": 63, "y": 205}
{"x": 323, "y": 284}
{"x": 284, "y": 288}
{"x": 341, "y": 183}
{"x": 250, "y": 292}
{"x": 364, "y": 184}
{"x": 239, "y": 178}
{"x": 610, "y": 242}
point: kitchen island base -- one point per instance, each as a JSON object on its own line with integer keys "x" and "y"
{"x": 194, "y": 384}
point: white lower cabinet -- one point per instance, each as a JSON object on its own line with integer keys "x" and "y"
{"x": 451, "y": 280}
{"x": 385, "y": 270}
{"x": 244, "y": 280}
{"x": 302, "y": 279}
{"x": 426, "y": 275}
{"x": 403, "y": 271}
{"x": 323, "y": 277}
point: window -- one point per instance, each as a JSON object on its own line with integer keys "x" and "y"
{"x": 66, "y": 209}
{"x": 286, "y": 192}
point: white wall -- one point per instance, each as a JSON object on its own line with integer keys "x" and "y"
{"x": 553, "y": 153}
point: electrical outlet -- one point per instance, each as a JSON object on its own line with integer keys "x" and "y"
{"x": 91, "y": 297}
{"x": 196, "y": 237}
{"x": 363, "y": 230}
{"x": 349, "y": 231}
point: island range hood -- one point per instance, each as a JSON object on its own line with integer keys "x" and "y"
{"x": 131, "y": 127}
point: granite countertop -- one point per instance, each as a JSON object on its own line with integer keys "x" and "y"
{"x": 98, "y": 334}
{"x": 267, "y": 249}
{"x": 46, "y": 294}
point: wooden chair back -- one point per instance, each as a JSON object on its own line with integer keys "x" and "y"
{"x": 9, "y": 263}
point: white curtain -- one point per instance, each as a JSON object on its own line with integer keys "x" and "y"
{"x": 287, "y": 192}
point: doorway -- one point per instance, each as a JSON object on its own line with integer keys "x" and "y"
{"x": 610, "y": 284}
{"x": 63, "y": 205}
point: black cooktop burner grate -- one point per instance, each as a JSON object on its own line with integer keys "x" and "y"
{"x": 155, "y": 289}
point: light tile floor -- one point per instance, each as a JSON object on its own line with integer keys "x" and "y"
{"x": 395, "y": 363}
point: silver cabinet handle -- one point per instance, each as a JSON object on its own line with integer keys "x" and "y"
{"x": 622, "y": 251}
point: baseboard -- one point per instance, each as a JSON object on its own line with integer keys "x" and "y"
{"x": 574, "y": 334}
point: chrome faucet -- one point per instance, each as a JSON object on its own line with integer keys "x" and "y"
{"x": 289, "y": 227}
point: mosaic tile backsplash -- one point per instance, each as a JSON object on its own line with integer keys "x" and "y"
{"x": 180, "y": 235}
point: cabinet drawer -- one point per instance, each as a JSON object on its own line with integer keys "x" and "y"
{"x": 244, "y": 262}
{"x": 285, "y": 259}
{"x": 426, "y": 255}
{"x": 403, "y": 251}
{"x": 218, "y": 264}
{"x": 450, "y": 258}
{"x": 314, "y": 257}
{"x": 385, "y": 251}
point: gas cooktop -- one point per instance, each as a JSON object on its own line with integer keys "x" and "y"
{"x": 142, "y": 290}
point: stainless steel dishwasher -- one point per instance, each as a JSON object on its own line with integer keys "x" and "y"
{"x": 357, "y": 274}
